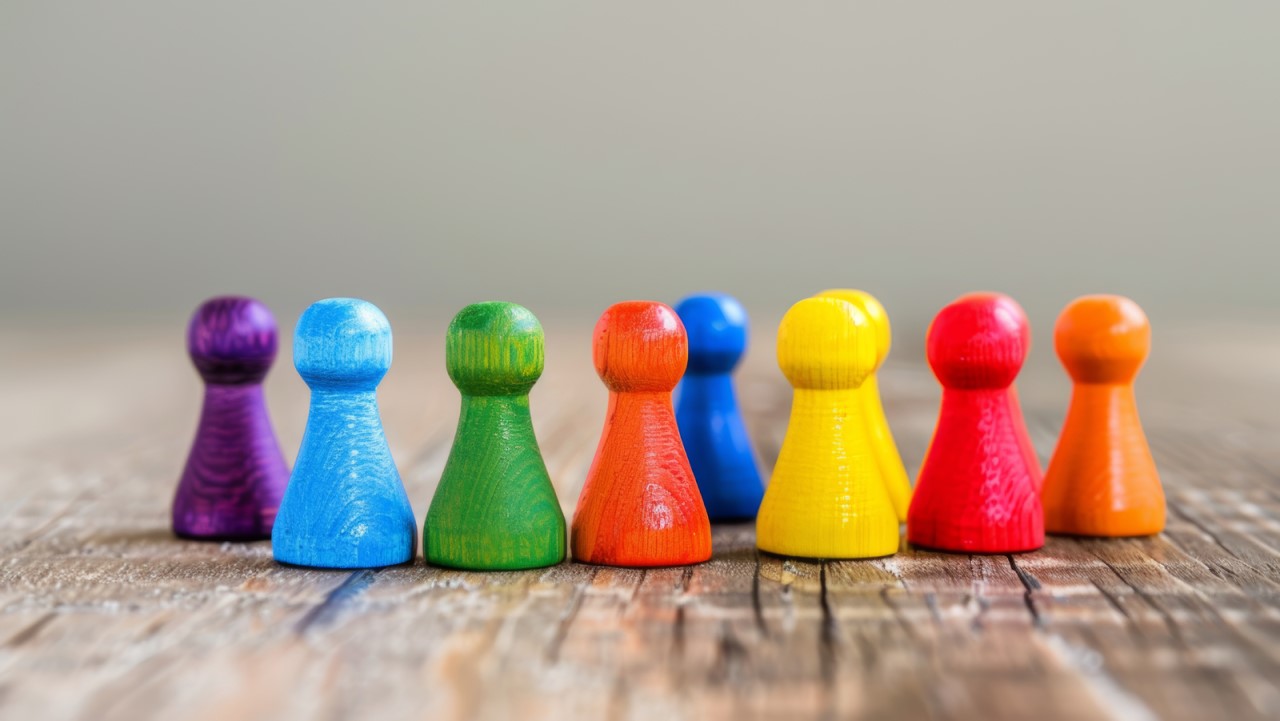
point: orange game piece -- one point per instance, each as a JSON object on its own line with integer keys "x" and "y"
{"x": 1102, "y": 480}
{"x": 640, "y": 505}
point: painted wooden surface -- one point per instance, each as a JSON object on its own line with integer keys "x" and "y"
{"x": 977, "y": 492}
{"x": 827, "y": 497}
{"x": 495, "y": 507}
{"x": 345, "y": 506}
{"x": 105, "y": 615}
{"x": 235, "y": 474}
{"x": 715, "y": 436}
{"x": 892, "y": 470}
{"x": 639, "y": 505}
{"x": 1102, "y": 480}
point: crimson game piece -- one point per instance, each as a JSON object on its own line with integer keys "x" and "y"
{"x": 977, "y": 490}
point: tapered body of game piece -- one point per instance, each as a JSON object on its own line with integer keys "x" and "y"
{"x": 1102, "y": 480}
{"x": 711, "y": 425}
{"x": 1025, "y": 445}
{"x": 345, "y": 506}
{"x": 886, "y": 450}
{"x": 977, "y": 491}
{"x": 640, "y": 505}
{"x": 827, "y": 497}
{"x": 495, "y": 507}
{"x": 235, "y": 474}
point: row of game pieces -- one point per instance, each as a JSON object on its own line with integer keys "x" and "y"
{"x": 662, "y": 474}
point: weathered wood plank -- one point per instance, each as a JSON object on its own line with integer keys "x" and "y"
{"x": 103, "y": 614}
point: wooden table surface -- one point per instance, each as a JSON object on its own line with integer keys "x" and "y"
{"x": 105, "y": 615}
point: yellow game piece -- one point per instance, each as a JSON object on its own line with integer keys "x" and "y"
{"x": 896, "y": 480}
{"x": 827, "y": 498}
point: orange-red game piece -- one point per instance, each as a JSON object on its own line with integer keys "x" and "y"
{"x": 977, "y": 489}
{"x": 640, "y": 505}
{"x": 1102, "y": 480}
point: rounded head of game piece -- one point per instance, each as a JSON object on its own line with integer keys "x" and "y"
{"x": 875, "y": 314}
{"x": 342, "y": 343}
{"x": 980, "y": 340}
{"x": 826, "y": 344}
{"x": 640, "y": 346}
{"x": 717, "y": 327}
{"x": 232, "y": 340}
{"x": 494, "y": 349}
{"x": 1102, "y": 339}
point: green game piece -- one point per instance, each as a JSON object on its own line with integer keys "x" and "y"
{"x": 495, "y": 508}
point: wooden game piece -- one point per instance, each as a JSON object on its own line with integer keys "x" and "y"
{"x": 976, "y": 492}
{"x": 640, "y": 505}
{"x": 345, "y": 506}
{"x": 827, "y": 497}
{"x": 886, "y": 450}
{"x": 1025, "y": 446}
{"x": 711, "y": 425}
{"x": 495, "y": 507}
{"x": 235, "y": 474}
{"x": 1102, "y": 480}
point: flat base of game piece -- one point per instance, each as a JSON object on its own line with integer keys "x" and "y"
{"x": 817, "y": 559}
{"x": 953, "y": 552}
{"x": 605, "y": 564}
{"x": 490, "y": 569}
{"x": 1065, "y": 534}
{"x": 306, "y": 567}
{"x": 223, "y": 537}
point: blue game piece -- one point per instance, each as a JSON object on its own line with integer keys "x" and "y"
{"x": 345, "y": 506}
{"x": 711, "y": 425}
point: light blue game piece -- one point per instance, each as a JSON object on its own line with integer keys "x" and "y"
{"x": 711, "y": 425}
{"x": 345, "y": 506}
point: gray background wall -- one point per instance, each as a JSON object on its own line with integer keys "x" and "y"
{"x": 568, "y": 154}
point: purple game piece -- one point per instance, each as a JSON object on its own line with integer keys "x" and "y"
{"x": 235, "y": 474}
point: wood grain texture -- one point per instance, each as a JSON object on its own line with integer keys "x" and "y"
{"x": 640, "y": 504}
{"x": 892, "y": 470}
{"x": 235, "y": 474}
{"x": 495, "y": 507}
{"x": 105, "y": 615}
{"x": 827, "y": 497}
{"x": 345, "y": 506}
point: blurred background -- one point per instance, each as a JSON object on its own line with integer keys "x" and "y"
{"x": 565, "y": 155}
